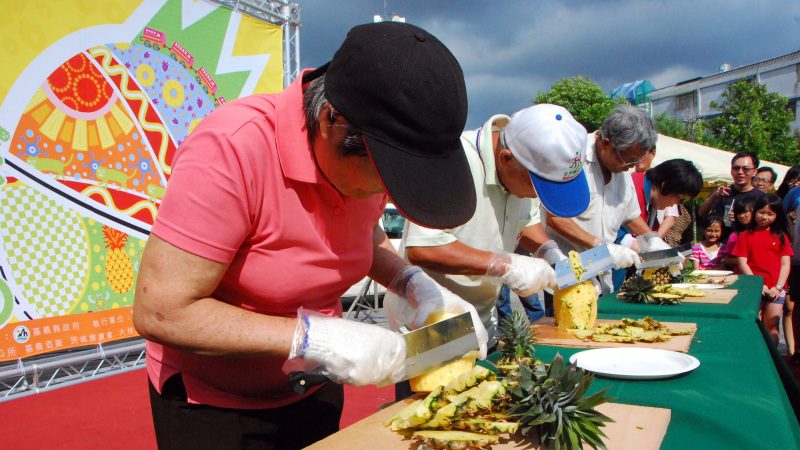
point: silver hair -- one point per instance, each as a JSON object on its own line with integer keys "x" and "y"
{"x": 628, "y": 126}
{"x": 313, "y": 101}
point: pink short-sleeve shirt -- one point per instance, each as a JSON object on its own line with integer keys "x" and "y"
{"x": 245, "y": 191}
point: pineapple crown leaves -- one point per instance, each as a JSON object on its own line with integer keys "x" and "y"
{"x": 518, "y": 339}
{"x": 638, "y": 289}
{"x": 552, "y": 400}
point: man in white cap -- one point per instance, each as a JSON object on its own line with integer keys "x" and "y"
{"x": 537, "y": 152}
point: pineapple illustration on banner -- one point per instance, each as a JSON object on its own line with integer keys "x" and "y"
{"x": 90, "y": 265}
{"x": 92, "y": 113}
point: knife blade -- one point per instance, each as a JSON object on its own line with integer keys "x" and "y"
{"x": 660, "y": 258}
{"x": 434, "y": 345}
{"x": 427, "y": 348}
{"x": 594, "y": 261}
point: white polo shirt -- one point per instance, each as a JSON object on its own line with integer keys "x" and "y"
{"x": 496, "y": 225}
{"x": 610, "y": 206}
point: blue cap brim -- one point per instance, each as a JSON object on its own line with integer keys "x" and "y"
{"x": 563, "y": 198}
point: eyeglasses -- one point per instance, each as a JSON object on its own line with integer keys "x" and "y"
{"x": 632, "y": 163}
{"x": 741, "y": 168}
{"x": 763, "y": 180}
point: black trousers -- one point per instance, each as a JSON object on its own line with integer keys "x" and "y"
{"x": 180, "y": 425}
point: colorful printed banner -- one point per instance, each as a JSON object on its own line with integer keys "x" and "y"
{"x": 91, "y": 114}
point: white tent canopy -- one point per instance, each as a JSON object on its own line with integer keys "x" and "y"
{"x": 713, "y": 163}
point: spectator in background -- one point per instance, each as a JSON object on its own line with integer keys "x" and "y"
{"x": 765, "y": 179}
{"x": 791, "y": 319}
{"x": 723, "y": 198}
{"x": 708, "y": 253}
{"x": 790, "y": 179}
{"x": 765, "y": 249}
{"x": 743, "y": 215}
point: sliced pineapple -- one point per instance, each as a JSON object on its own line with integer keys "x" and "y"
{"x": 467, "y": 380}
{"x": 480, "y": 424}
{"x": 435, "y": 439}
{"x": 427, "y": 382}
{"x": 417, "y": 412}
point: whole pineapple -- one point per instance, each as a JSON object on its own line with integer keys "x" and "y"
{"x": 576, "y": 306}
{"x": 119, "y": 267}
{"x": 553, "y": 402}
{"x": 658, "y": 276}
{"x": 638, "y": 289}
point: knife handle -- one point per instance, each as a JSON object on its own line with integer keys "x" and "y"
{"x": 301, "y": 381}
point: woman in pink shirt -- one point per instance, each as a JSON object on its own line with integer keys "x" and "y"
{"x": 271, "y": 213}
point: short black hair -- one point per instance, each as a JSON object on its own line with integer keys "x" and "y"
{"x": 676, "y": 176}
{"x": 711, "y": 219}
{"x": 773, "y": 174}
{"x": 750, "y": 155}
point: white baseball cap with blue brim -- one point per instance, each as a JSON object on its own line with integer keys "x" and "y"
{"x": 551, "y": 144}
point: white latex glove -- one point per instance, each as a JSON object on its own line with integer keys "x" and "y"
{"x": 651, "y": 242}
{"x": 413, "y": 295}
{"x": 550, "y": 252}
{"x": 523, "y": 275}
{"x": 623, "y": 256}
{"x": 345, "y": 351}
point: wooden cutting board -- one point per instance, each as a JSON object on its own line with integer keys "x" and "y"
{"x": 726, "y": 280}
{"x": 634, "y": 428}
{"x": 718, "y": 296}
{"x": 549, "y": 334}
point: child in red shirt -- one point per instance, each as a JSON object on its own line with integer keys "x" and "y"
{"x": 765, "y": 249}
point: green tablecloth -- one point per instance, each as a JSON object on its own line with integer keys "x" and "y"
{"x": 733, "y": 400}
{"x": 743, "y": 306}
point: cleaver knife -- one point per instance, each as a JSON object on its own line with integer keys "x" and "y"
{"x": 427, "y": 348}
{"x": 594, "y": 261}
{"x": 660, "y": 258}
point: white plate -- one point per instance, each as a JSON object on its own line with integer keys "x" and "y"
{"x": 712, "y": 273}
{"x": 697, "y": 286}
{"x": 635, "y": 363}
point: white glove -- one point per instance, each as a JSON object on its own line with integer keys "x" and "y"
{"x": 651, "y": 242}
{"x": 327, "y": 346}
{"x": 550, "y": 252}
{"x": 523, "y": 274}
{"x": 623, "y": 256}
{"x": 413, "y": 295}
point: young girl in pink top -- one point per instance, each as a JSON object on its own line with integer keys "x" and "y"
{"x": 708, "y": 254}
{"x": 765, "y": 250}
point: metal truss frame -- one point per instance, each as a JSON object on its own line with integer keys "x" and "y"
{"x": 59, "y": 370}
{"x": 282, "y": 13}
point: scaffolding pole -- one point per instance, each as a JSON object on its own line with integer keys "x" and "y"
{"x": 282, "y": 13}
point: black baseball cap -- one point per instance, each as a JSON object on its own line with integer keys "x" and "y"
{"x": 404, "y": 91}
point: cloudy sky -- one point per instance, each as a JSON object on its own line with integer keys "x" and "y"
{"x": 512, "y": 50}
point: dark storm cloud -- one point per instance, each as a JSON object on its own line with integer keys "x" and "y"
{"x": 511, "y": 50}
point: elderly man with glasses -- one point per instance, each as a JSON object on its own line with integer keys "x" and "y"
{"x": 744, "y": 167}
{"x": 765, "y": 179}
{"x": 623, "y": 141}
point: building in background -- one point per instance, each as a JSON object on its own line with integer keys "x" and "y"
{"x": 690, "y": 100}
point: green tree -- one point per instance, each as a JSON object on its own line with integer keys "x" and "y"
{"x": 755, "y": 120}
{"x": 670, "y": 126}
{"x": 583, "y": 98}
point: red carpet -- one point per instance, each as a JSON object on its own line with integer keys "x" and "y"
{"x": 114, "y": 413}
